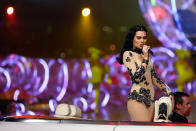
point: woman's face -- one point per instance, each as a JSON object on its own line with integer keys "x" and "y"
{"x": 139, "y": 39}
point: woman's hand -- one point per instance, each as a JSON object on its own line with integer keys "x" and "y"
{"x": 145, "y": 51}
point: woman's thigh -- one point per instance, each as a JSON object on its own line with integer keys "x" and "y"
{"x": 139, "y": 112}
{"x": 151, "y": 111}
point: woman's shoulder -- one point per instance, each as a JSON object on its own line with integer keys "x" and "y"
{"x": 128, "y": 53}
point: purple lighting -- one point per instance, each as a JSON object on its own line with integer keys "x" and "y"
{"x": 46, "y": 76}
{"x": 54, "y": 81}
{"x": 65, "y": 83}
{"x": 52, "y": 105}
{"x": 165, "y": 22}
{"x": 7, "y": 76}
{"x": 87, "y": 66}
{"x": 16, "y": 94}
{"x": 20, "y": 109}
{"x": 83, "y": 101}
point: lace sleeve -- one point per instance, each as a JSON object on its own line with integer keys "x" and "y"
{"x": 159, "y": 83}
{"x": 136, "y": 72}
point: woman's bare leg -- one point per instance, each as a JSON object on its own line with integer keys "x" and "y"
{"x": 139, "y": 112}
{"x": 151, "y": 111}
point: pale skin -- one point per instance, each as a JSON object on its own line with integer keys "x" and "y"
{"x": 138, "y": 110}
{"x": 139, "y": 41}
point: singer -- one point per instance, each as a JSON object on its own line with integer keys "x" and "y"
{"x": 135, "y": 56}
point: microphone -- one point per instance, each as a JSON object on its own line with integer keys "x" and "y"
{"x": 150, "y": 51}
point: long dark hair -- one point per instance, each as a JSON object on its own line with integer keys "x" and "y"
{"x": 128, "y": 43}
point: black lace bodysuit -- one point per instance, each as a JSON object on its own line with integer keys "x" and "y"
{"x": 143, "y": 78}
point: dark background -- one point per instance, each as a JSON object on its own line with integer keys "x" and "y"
{"x": 53, "y": 28}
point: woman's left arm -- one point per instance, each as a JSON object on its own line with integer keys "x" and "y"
{"x": 159, "y": 83}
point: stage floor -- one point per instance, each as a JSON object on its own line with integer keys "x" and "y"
{"x": 40, "y": 123}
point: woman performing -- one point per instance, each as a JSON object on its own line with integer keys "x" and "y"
{"x": 135, "y": 56}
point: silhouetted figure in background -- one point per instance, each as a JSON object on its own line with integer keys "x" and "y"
{"x": 182, "y": 108}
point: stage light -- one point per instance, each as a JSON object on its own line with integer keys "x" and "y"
{"x": 86, "y": 12}
{"x": 10, "y": 10}
{"x": 112, "y": 47}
